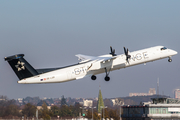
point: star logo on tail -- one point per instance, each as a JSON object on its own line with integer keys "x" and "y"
{"x": 20, "y": 66}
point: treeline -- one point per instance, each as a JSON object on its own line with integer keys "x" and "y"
{"x": 9, "y": 110}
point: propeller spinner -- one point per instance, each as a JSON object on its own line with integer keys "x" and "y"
{"x": 126, "y": 52}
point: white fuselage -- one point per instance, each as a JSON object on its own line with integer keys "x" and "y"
{"x": 90, "y": 68}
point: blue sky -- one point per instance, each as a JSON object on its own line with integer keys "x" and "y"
{"x": 51, "y": 33}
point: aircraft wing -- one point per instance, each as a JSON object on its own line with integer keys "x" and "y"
{"x": 83, "y": 58}
{"x": 86, "y": 58}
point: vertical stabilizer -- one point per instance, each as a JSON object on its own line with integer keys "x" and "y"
{"x": 20, "y": 66}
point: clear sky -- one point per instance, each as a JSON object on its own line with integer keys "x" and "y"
{"x": 50, "y": 34}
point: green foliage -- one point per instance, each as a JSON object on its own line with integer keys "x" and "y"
{"x": 76, "y": 109}
{"x": 55, "y": 111}
{"x": 44, "y": 112}
{"x": 95, "y": 115}
{"x": 65, "y": 111}
{"x": 29, "y": 110}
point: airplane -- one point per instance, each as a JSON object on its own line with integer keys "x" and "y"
{"x": 88, "y": 66}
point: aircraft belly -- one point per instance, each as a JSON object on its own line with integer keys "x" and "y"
{"x": 102, "y": 70}
{"x": 54, "y": 77}
{"x": 95, "y": 72}
{"x": 119, "y": 66}
{"x": 58, "y": 76}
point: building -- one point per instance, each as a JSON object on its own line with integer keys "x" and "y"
{"x": 152, "y": 91}
{"x": 177, "y": 93}
{"x": 87, "y": 103}
{"x": 117, "y": 102}
{"x": 159, "y": 108}
{"x": 20, "y": 100}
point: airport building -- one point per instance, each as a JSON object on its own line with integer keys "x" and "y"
{"x": 159, "y": 108}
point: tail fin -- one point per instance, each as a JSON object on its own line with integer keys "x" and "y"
{"x": 20, "y": 66}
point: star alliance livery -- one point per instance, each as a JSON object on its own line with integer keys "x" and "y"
{"x": 88, "y": 66}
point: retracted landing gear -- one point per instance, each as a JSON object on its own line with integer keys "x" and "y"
{"x": 93, "y": 77}
{"x": 107, "y": 78}
{"x": 169, "y": 60}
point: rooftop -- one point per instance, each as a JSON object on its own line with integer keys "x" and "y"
{"x": 165, "y": 101}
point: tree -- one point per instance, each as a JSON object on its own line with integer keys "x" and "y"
{"x": 89, "y": 114}
{"x": 8, "y": 108}
{"x": 44, "y": 112}
{"x": 114, "y": 114}
{"x": 65, "y": 111}
{"x": 76, "y": 109}
{"x": 29, "y": 110}
{"x": 106, "y": 113}
{"x": 12, "y": 110}
{"x": 2, "y": 106}
{"x": 63, "y": 101}
{"x": 96, "y": 116}
{"x": 55, "y": 111}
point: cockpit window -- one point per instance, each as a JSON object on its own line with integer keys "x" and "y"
{"x": 164, "y": 48}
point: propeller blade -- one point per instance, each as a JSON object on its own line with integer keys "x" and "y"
{"x": 126, "y": 52}
{"x": 112, "y": 51}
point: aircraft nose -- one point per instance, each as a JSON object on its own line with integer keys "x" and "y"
{"x": 174, "y": 52}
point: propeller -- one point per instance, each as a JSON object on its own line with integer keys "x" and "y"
{"x": 112, "y": 51}
{"x": 127, "y": 54}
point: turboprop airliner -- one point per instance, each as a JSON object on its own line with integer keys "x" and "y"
{"x": 88, "y": 65}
